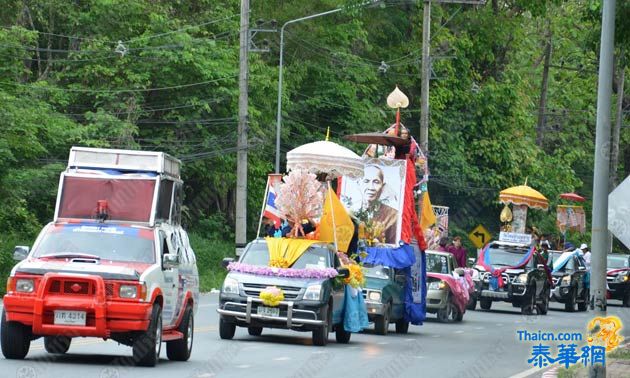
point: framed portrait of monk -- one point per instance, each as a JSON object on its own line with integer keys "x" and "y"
{"x": 379, "y": 195}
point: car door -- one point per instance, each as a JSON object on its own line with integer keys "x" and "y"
{"x": 170, "y": 288}
{"x": 580, "y": 275}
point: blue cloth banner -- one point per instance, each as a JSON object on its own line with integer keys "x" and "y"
{"x": 397, "y": 258}
{"x": 355, "y": 317}
{"x": 416, "y": 290}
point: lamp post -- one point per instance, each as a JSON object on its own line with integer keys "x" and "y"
{"x": 279, "y": 115}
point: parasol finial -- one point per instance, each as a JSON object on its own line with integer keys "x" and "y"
{"x": 526, "y": 180}
{"x": 327, "y": 133}
{"x": 396, "y": 100}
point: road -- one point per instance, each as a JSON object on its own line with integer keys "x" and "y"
{"x": 483, "y": 345}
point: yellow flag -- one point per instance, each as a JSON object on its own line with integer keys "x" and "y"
{"x": 427, "y": 219}
{"x": 343, "y": 223}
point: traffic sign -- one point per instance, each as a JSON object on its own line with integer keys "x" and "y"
{"x": 619, "y": 212}
{"x": 479, "y": 236}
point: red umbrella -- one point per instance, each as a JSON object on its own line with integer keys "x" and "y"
{"x": 572, "y": 197}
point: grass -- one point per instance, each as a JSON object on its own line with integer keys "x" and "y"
{"x": 620, "y": 353}
{"x": 209, "y": 255}
{"x": 572, "y": 372}
{"x": 580, "y": 371}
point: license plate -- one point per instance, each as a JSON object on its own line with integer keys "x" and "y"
{"x": 64, "y": 317}
{"x": 268, "y": 311}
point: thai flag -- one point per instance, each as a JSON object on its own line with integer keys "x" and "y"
{"x": 271, "y": 212}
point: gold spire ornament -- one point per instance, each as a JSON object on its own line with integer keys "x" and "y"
{"x": 506, "y": 215}
{"x": 396, "y": 100}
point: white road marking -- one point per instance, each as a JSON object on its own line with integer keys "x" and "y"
{"x": 435, "y": 336}
{"x": 382, "y": 343}
{"x": 418, "y": 357}
{"x": 460, "y": 331}
{"x": 480, "y": 327}
{"x": 499, "y": 324}
{"x": 410, "y": 340}
{"x": 243, "y": 366}
{"x": 282, "y": 358}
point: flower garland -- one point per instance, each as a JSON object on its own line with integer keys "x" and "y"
{"x": 271, "y": 296}
{"x": 282, "y": 272}
{"x": 356, "y": 278}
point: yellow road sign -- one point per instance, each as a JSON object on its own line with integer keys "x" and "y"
{"x": 479, "y": 236}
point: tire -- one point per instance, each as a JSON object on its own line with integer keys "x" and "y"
{"x": 485, "y": 304}
{"x": 180, "y": 350}
{"x": 445, "y": 314}
{"x": 16, "y": 339}
{"x": 543, "y": 307}
{"x": 381, "y": 323}
{"x": 472, "y": 303}
{"x": 57, "y": 344}
{"x": 341, "y": 335}
{"x": 528, "y": 304}
{"x": 254, "y": 331}
{"x": 626, "y": 298}
{"x": 147, "y": 346}
{"x": 569, "y": 305}
{"x": 583, "y": 306}
{"x": 320, "y": 335}
{"x": 402, "y": 326}
{"x": 226, "y": 329}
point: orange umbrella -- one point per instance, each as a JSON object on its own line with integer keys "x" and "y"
{"x": 524, "y": 195}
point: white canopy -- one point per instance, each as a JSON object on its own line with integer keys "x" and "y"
{"x": 325, "y": 157}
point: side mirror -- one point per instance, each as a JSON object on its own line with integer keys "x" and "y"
{"x": 471, "y": 261}
{"x": 540, "y": 266}
{"x": 581, "y": 268}
{"x": 170, "y": 261}
{"x": 226, "y": 261}
{"x": 21, "y": 252}
{"x": 343, "y": 272}
{"x": 460, "y": 272}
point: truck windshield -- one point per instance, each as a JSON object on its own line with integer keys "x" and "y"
{"x": 103, "y": 242}
{"x": 617, "y": 262}
{"x": 313, "y": 258}
{"x": 505, "y": 257}
{"x": 437, "y": 263}
{"x": 377, "y": 271}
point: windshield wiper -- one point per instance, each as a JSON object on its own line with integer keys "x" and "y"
{"x": 63, "y": 255}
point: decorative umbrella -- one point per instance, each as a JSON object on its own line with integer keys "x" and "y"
{"x": 572, "y": 197}
{"x": 325, "y": 157}
{"x": 524, "y": 195}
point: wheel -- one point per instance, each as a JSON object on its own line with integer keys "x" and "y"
{"x": 543, "y": 307}
{"x": 226, "y": 329}
{"x": 381, "y": 323}
{"x": 254, "y": 331}
{"x": 320, "y": 335}
{"x": 179, "y": 350}
{"x": 57, "y": 344}
{"x": 569, "y": 305}
{"x": 458, "y": 316}
{"x": 485, "y": 303}
{"x": 445, "y": 314}
{"x": 626, "y": 298}
{"x": 402, "y": 326}
{"x": 16, "y": 339}
{"x": 147, "y": 346}
{"x": 528, "y": 303}
{"x": 583, "y": 306}
{"x": 472, "y": 303}
{"x": 341, "y": 335}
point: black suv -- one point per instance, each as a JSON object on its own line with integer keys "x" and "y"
{"x": 618, "y": 278}
{"x": 527, "y": 287}
{"x": 571, "y": 280}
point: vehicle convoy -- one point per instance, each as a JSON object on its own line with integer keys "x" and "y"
{"x": 514, "y": 273}
{"x": 383, "y": 295}
{"x": 313, "y": 295}
{"x": 444, "y": 289}
{"x": 571, "y": 280}
{"x": 618, "y": 278}
{"x": 114, "y": 263}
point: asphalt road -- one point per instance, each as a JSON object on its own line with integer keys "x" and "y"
{"x": 483, "y": 345}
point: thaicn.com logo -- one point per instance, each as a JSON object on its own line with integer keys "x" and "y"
{"x": 570, "y": 348}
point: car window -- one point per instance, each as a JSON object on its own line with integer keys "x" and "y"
{"x": 504, "y": 257}
{"x": 617, "y": 262}
{"x": 437, "y": 263}
{"x": 256, "y": 254}
{"x": 313, "y": 258}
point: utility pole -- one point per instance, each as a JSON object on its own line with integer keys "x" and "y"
{"x": 241, "y": 155}
{"x": 599, "y": 231}
{"x": 426, "y": 77}
{"x": 614, "y": 151}
{"x": 542, "y": 108}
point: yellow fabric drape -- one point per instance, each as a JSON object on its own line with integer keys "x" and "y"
{"x": 283, "y": 252}
{"x": 343, "y": 223}
{"x": 427, "y": 217}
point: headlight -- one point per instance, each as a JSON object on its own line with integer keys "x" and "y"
{"x": 230, "y": 286}
{"x": 622, "y": 277}
{"x": 522, "y": 278}
{"x": 566, "y": 280}
{"x": 475, "y": 274}
{"x": 313, "y": 292}
{"x": 24, "y": 285}
{"x": 437, "y": 285}
{"x": 374, "y": 296}
{"x": 128, "y": 291}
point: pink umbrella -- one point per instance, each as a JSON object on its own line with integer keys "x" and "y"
{"x": 572, "y": 197}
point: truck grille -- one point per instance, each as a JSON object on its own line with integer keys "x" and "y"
{"x": 253, "y": 290}
{"x": 506, "y": 277}
{"x": 72, "y": 287}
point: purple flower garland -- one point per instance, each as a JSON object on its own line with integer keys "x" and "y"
{"x": 282, "y": 272}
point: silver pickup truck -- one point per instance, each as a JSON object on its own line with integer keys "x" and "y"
{"x": 310, "y": 304}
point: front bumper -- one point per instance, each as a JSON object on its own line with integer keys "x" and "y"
{"x": 560, "y": 293}
{"x": 244, "y": 312}
{"x": 508, "y": 293}
{"x": 618, "y": 290}
{"x": 436, "y": 299}
{"x": 104, "y": 316}
{"x": 374, "y": 309}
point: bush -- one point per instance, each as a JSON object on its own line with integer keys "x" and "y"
{"x": 209, "y": 254}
